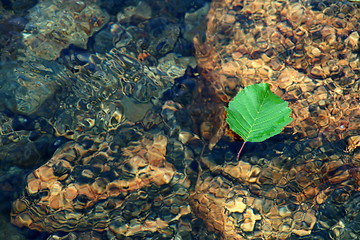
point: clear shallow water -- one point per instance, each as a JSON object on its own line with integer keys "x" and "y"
{"x": 124, "y": 128}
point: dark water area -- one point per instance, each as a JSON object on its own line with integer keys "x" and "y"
{"x": 113, "y": 126}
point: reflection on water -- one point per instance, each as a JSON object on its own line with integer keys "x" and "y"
{"x": 113, "y": 125}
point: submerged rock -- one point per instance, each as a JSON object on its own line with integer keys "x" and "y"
{"x": 28, "y": 85}
{"x": 310, "y": 57}
{"x": 96, "y": 184}
{"x": 54, "y": 25}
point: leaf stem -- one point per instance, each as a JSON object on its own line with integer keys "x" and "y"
{"x": 238, "y": 155}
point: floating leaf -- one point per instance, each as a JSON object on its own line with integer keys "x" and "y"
{"x": 257, "y": 114}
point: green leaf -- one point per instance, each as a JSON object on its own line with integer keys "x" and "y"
{"x": 257, "y": 114}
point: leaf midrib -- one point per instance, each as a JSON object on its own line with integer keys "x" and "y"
{"x": 257, "y": 114}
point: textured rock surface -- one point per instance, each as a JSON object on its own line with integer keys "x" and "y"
{"x": 54, "y": 25}
{"x": 276, "y": 194}
{"x": 310, "y": 57}
{"x": 27, "y": 85}
{"x": 91, "y": 185}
